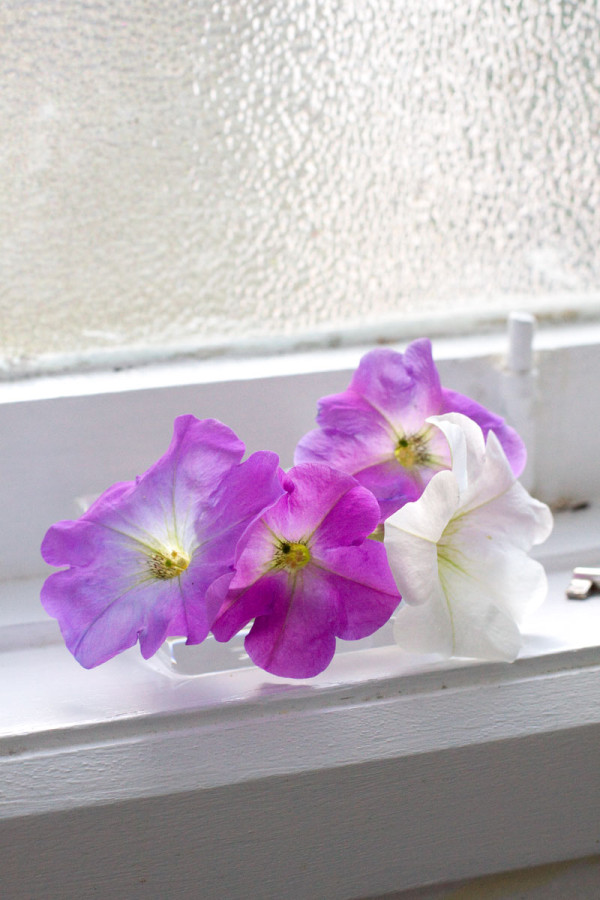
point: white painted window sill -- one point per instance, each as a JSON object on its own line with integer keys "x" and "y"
{"x": 131, "y": 731}
{"x": 181, "y": 680}
{"x": 335, "y": 787}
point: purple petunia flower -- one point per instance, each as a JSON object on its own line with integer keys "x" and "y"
{"x": 142, "y": 557}
{"x": 377, "y": 429}
{"x": 306, "y": 572}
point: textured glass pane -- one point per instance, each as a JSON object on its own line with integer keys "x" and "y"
{"x": 187, "y": 172}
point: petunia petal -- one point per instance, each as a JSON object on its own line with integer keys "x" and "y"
{"x": 190, "y": 507}
{"x": 297, "y": 638}
{"x": 176, "y": 489}
{"x": 413, "y": 561}
{"x": 489, "y": 492}
{"x": 353, "y": 517}
{"x": 514, "y": 514}
{"x": 404, "y": 388}
{"x": 428, "y": 517}
{"x": 425, "y": 627}
{"x": 366, "y": 592}
{"x": 482, "y": 632}
{"x": 351, "y": 414}
{"x": 481, "y": 627}
{"x": 393, "y": 486}
{"x": 466, "y": 605}
{"x": 488, "y": 421}
{"x": 366, "y": 444}
{"x": 467, "y": 450}
{"x": 105, "y": 616}
{"x": 242, "y": 494}
{"x": 239, "y": 606}
{"x": 312, "y": 490}
{"x": 485, "y": 632}
{"x": 75, "y": 543}
{"x": 490, "y": 566}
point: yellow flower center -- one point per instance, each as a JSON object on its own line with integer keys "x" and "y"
{"x": 169, "y": 564}
{"x": 412, "y": 450}
{"x": 291, "y": 556}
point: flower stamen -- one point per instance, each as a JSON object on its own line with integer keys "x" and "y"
{"x": 412, "y": 451}
{"x": 291, "y": 555}
{"x": 169, "y": 564}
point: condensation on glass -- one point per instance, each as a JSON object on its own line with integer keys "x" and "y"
{"x": 191, "y": 172}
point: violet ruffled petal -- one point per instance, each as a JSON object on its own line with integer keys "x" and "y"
{"x": 142, "y": 558}
{"x": 312, "y": 491}
{"x": 101, "y": 615}
{"x": 403, "y": 387}
{"x": 378, "y": 431}
{"x": 239, "y": 606}
{"x": 365, "y": 445}
{"x": 366, "y": 591}
{"x": 513, "y": 446}
{"x": 297, "y": 638}
{"x": 306, "y": 572}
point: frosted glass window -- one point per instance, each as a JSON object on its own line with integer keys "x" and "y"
{"x": 193, "y": 172}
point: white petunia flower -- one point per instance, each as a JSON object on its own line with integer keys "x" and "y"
{"x": 459, "y": 553}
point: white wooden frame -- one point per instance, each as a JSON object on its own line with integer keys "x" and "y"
{"x": 384, "y": 773}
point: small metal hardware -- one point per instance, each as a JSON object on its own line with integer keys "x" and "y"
{"x": 585, "y": 581}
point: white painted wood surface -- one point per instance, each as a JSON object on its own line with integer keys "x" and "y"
{"x": 577, "y": 879}
{"x": 282, "y": 823}
{"x": 384, "y": 773}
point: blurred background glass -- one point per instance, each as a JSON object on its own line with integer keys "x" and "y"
{"x": 194, "y": 173}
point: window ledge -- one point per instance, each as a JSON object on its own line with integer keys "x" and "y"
{"x": 430, "y": 739}
{"x": 386, "y": 772}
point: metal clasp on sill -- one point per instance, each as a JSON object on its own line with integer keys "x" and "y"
{"x": 584, "y": 582}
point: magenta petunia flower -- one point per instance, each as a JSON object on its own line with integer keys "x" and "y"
{"x": 306, "y": 572}
{"x": 142, "y": 557}
{"x": 377, "y": 429}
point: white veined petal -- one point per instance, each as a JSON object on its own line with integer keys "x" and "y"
{"x": 438, "y": 450}
{"x": 413, "y": 562}
{"x": 467, "y": 446}
{"x": 426, "y": 628}
{"x": 480, "y": 522}
{"x": 484, "y": 569}
{"x": 495, "y": 477}
{"x": 428, "y": 516}
{"x": 514, "y": 515}
{"x": 458, "y": 620}
{"x": 477, "y": 589}
{"x": 482, "y": 631}
{"x": 411, "y": 536}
